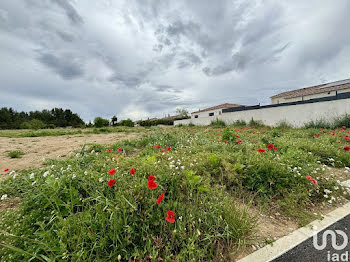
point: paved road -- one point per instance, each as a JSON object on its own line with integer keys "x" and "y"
{"x": 305, "y": 252}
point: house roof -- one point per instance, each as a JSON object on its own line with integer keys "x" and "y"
{"x": 333, "y": 86}
{"x": 226, "y": 105}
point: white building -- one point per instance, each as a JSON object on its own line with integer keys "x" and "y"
{"x": 323, "y": 90}
{"x": 212, "y": 111}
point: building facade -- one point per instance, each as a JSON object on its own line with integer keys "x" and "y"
{"x": 323, "y": 90}
{"x": 212, "y": 111}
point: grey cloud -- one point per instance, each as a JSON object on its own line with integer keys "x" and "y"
{"x": 156, "y": 55}
{"x": 66, "y": 66}
{"x": 70, "y": 11}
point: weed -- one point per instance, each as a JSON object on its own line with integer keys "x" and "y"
{"x": 15, "y": 154}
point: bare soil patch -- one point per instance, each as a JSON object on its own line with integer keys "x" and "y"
{"x": 37, "y": 149}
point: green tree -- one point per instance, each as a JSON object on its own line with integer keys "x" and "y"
{"x": 127, "y": 122}
{"x": 33, "y": 124}
{"x": 101, "y": 122}
{"x": 182, "y": 112}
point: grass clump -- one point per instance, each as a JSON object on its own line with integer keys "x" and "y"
{"x": 15, "y": 154}
{"x": 218, "y": 123}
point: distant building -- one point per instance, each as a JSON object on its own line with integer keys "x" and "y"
{"x": 307, "y": 93}
{"x": 212, "y": 111}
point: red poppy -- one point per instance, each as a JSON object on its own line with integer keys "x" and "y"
{"x": 225, "y": 141}
{"x": 6, "y": 170}
{"x": 346, "y": 148}
{"x": 109, "y": 150}
{"x": 151, "y": 184}
{"x": 314, "y": 181}
{"x": 160, "y": 198}
{"x": 168, "y": 148}
{"x": 132, "y": 171}
{"x": 239, "y": 141}
{"x": 151, "y": 178}
{"x": 343, "y": 127}
{"x": 347, "y": 138}
{"x": 219, "y": 134}
{"x": 111, "y": 171}
{"x": 158, "y": 147}
{"x": 260, "y": 150}
{"x": 155, "y": 145}
{"x": 270, "y": 146}
{"x": 308, "y": 177}
{"x": 237, "y": 136}
{"x": 170, "y": 216}
{"x": 275, "y": 148}
{"x": 120, "y": 150}
{"x": 111, "y": 182}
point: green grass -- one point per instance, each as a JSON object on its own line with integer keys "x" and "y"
{"x": 211, "y": 177}
{"x": 73, "y": 131}
{"x": 15, "y": 154}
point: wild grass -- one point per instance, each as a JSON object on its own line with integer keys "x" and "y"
{"x": 218, "y": 123}
{"x": 63, "y": 132}
{"x": 68, "y": 211}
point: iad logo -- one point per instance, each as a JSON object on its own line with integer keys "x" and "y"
{"x": 333, "y": 240}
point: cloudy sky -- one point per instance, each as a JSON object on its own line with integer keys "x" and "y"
{"x": 142, "y": 59}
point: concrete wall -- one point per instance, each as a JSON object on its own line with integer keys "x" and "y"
{"x": 295, "y": 115}
{"x": 307, "y": 97}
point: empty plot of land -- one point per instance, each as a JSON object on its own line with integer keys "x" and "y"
{"x": 37, "y": 149}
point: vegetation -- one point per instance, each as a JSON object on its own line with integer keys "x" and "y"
{"x": 57, "y": 117}
{"x": 101, "y": 122}
{"x": 182, "y": 112}
{"x": 218, "y": 123}
{"x": 337, "y": 122}
{"x": 177, "y": 194}
{"x": 15, "y": 154}
{"x": 127, "y": 122}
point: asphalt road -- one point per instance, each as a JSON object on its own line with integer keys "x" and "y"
{"x": 305, "y": 252}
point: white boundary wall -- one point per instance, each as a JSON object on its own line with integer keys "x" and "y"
{"x": 295, "y": 115}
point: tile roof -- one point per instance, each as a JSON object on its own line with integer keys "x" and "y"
{"x": 226, "y": 105}
{"x": 333, "y": 86}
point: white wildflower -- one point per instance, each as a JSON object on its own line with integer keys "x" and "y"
{"x": 31, "y": 176}
{"x": 3, "y": 197}
{"x": 46, "y": 173}
{"x": 101, "y": 179}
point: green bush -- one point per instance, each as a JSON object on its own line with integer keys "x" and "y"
{"x": 100, "y": 122}
{"x": 33, "y": 124}
{"x": 15, "y": 154}
{"x": 127, "y": 122}
{"x": 218, "y": 123}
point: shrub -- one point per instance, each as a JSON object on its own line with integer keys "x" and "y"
{"x": 283, "y": 124}
{"x": 321, "y": 123}
{"x": 100, "y": 122}
{"x": 255, "y": 123}
{"x": 15, "y": 154}
{"x": 342, "y": 121}
{"x": 127, "y": 122}
{"x": 239, "y": 123}
{"x": 33, "y": 124}
{"x": 218, "y": 123}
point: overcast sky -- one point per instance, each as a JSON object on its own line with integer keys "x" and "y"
{"x": 142, "y": 59}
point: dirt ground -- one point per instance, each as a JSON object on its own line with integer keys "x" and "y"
{"x": 37, "y": 149}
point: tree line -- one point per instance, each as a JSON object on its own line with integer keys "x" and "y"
{"x": 56, "y": 117}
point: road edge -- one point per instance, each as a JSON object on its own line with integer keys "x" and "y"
{"x": 298, "y": 236}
